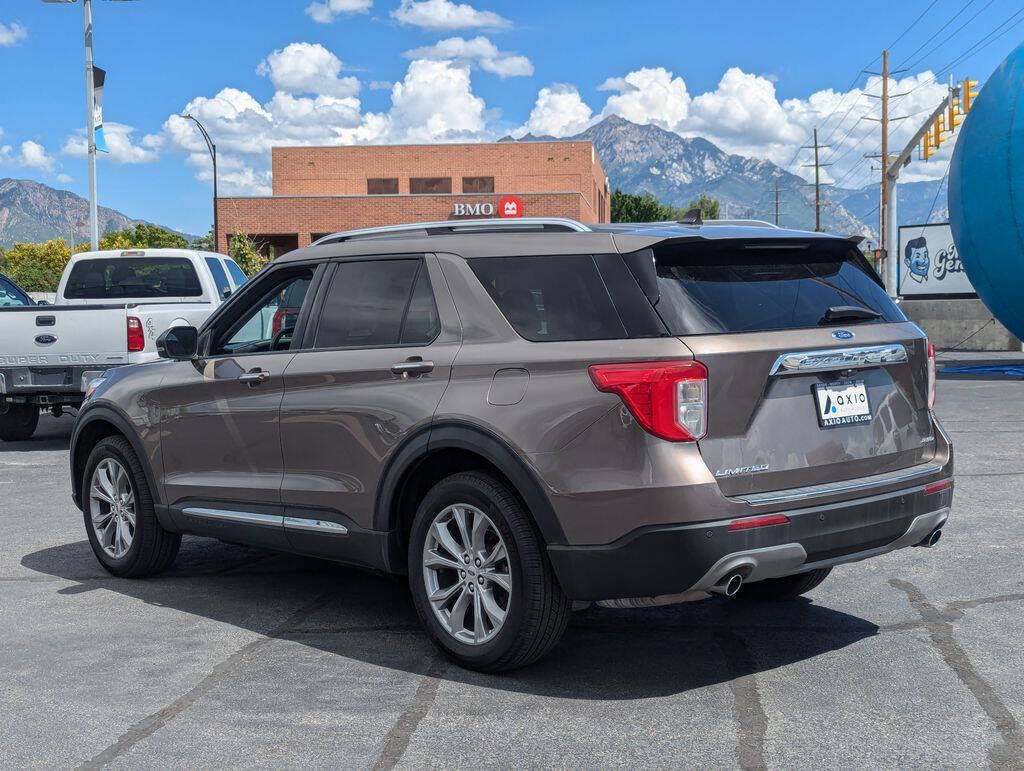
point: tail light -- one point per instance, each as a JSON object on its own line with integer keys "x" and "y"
{"x": 136, "y": 336}
{"x": 931, "y": 376}
{"x": 668, "y": 398}
{"x": 277, "y": 321}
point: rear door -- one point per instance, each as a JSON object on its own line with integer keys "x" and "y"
{"x": 815, "y": 375}
{"x": 378, "y": 361}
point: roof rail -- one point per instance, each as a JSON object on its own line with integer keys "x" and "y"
{"x": 448, "y": 227}
{"x": 745, "y": 223}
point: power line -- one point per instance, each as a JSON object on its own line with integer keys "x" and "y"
{"x": 938, "y": 31}
{"x": 949, "y": 37}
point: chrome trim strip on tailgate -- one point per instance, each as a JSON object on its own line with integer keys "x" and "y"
{"x": 243, "y": 517}
{"x": 833, "y": 488}
{"x": 839, "y": 358}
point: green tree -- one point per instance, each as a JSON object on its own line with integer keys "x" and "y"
{"x": 37, "y": 267}
{"x": 709, "y": 208}
{"x": 246, "y": 252}
{"x": 204, "y": 243}
{"x": 143, "y": 236}
{"x": 631, "y": 207}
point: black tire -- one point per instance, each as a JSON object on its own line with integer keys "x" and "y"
{"x": 153, "y": 549}
{"x": 538, "y": 611}
{"x": 784, "y": 588}
{"x": 19, "y": 422}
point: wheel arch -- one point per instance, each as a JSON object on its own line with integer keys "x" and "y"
{"x": 92, "y": 426}
{"x": 445, "y": 449}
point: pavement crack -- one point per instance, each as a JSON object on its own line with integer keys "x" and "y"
{"x": 748, "y": 709}
{"x": 156, "y": 720}
{"x": 940, "y": 630}
{"x": 397, "y": 740}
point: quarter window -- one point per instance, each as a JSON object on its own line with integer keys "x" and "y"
{"x": 378, "y": 303}
{"x": 426, "y": 185}
{"x": 220, "y": 278}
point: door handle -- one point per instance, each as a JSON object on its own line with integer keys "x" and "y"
{"x": 412, "y": 367}
{"x": 254, "y": 377}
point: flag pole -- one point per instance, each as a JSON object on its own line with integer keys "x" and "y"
{"x": 90, "y": 129}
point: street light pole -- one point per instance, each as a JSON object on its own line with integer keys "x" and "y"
{"x": 90, "y": 130}
{"x": 213, "y": 155}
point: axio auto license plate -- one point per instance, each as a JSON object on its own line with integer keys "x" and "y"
{"x": 841, "y": 404}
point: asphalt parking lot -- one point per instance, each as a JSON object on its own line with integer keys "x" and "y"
{"x": 240, "y": 657}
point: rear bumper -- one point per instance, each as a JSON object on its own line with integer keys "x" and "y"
{"x": 48, "y": 384}
{"x": 670, "y": 559}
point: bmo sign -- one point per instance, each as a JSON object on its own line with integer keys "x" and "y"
{"x": 509, "y": 206}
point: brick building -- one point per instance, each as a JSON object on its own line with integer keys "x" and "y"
{"x": 321, "y": 190}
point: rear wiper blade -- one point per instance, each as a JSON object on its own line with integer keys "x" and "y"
{"x": 852, "y": 313}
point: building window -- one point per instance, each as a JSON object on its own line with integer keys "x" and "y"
{"x": 382, "y": 186}
{"x": 426, "y": 185}
{"x": 478, "y": 184}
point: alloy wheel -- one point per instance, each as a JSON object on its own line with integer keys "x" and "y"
{"x": 112, "y": 507}
{"x": 466, "y": 574}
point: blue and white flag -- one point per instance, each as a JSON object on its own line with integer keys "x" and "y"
{"x": 98, "y": 77}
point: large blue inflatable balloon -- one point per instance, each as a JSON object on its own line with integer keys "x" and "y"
{"x": 986, "y": 193}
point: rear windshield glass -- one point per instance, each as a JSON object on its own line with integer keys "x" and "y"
{"x": 735, "y": 287}
{"x": 547, "y": 299}
{"x": 132, "y": 277}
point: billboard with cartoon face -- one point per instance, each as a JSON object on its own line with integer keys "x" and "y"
{"x": 929, "y": 263}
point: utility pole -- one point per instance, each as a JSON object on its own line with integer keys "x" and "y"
{"x": 817, "y": 180}
{"x": 883, "y": 223}
{"x": 776, "y": 202}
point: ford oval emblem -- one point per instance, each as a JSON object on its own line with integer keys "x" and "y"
{"x": 46, "y": 339}
{"x": 843, "y": 334}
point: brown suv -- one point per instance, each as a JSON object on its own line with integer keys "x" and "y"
{"x": 523, "y": 415}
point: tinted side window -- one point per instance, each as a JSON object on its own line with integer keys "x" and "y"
{"x": 366, "y": 304}
{"x": 421, "y": 323}
{"x": 237, "y": 275}
{"x": 554, "y": 298}
{"x": 220, "y": 278}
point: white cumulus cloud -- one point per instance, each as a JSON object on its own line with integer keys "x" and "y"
{"x": 307, "y": 68}
{"x": 31, "y": 154}
{"x": 11, "y": 33}
{"x": 480, "y": 52}
{"x": 446, "y": 15}
{"x": 649, "y": 95}
{"x": 327, "y": 11}
{"x": 120, "y": 143}
{"x": 559, "y": 111}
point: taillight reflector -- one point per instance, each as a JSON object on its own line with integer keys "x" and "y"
{"x": 931, "y": 375}
{"x": 668, "y": 398}
{"x": 938, "y": 487}
{"x": 136, "y": 336}
{"x": 747, "y": 523}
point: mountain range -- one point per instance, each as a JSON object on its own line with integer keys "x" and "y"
{"x": 31, "y": 211}
{"x": 648, "y": 159}
{"x": 637, "y": 159}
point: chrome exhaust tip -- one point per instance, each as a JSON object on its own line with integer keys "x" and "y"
{"x": 729, "y": 585}
{"x": 932, "y": 538}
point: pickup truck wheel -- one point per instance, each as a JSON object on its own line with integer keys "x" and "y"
{"x": 120, "y": 520}
{"x": 480, "y": 578}
{"x": 784, "y": 588}
{"x": 19, "y": 422}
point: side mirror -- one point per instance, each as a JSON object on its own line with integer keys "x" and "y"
{"x": 42, "y": 302}
{"x": 226, "y": 293}
{"x": 178, "y": 343}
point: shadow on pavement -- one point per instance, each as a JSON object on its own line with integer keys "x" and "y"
{"x": 605, "y": 654}
{"x": 52, "y": 434}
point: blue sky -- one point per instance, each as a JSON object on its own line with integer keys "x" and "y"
{"x": 753, "y": 77}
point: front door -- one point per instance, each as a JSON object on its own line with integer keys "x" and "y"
{"x": 220, "y": 413}
{"x": 379, "y": 360}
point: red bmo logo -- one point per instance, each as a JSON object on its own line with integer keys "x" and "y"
{"x": 510, "y": 206}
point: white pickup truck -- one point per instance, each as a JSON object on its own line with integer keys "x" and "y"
{"x": 110, "y": 308}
